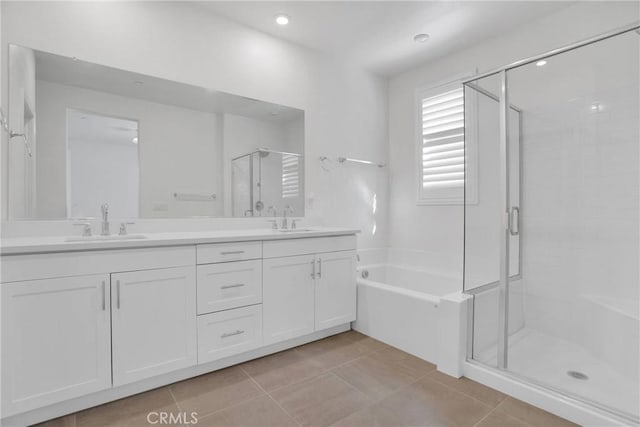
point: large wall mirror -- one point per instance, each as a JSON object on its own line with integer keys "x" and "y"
{"x": 148, "y": 147}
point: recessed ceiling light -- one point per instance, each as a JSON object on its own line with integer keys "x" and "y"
{"x": 135, "y": 140}
{"x": 282, "y": 19}
{"x": 138, "y": 82}
{"x": 421, "y": 38}
{"x": 541, "y": 63}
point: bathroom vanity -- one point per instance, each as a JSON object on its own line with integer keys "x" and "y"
{"x": 87, "y": 319}
{"x": 87, "y": 322}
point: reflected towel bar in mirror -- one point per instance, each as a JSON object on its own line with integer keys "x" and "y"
{"x": 194, "y": 197}
{"x": 364, "y": 162}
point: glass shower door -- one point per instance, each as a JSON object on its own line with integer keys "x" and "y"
{"x": 579, "y": 224}
{"x": 485, "y": 231}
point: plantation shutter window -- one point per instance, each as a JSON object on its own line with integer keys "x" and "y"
{"x": 290, "y": 176}
{"x": 441, "y": 146}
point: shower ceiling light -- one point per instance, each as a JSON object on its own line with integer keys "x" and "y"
{"x": 541, "y": 63}
{"x": 421, "y": 38}
{"x": 282, "y": 19}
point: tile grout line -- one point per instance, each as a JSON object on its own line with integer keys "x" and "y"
{"x": 235, "y": 404}
{"x": 271, "y": 397}
{"x": 376, "y": 401}
{"x": 484, "y": 418}
{"x": 358, "y": 391}
{"x": 324, "y": 370}
{"x": 174, "y": 399}
{"x": 465, "y": 394}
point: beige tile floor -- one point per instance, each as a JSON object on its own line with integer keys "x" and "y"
{"x": 345, "y": 380}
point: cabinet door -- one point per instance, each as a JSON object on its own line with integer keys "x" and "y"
{"x": 153, "y": 322}
{"x": 287, "y": 297}
{"x": 335, "y": 289}
{"x": 55, "y": 341}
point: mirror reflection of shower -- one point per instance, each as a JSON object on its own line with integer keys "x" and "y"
{"x": 266, "y": 177}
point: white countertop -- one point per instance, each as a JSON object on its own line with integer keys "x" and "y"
{"x": 30, "y": 245}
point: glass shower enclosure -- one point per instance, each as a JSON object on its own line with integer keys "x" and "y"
{"x": 267, "y": 178}
{"x": 552, "y": 237}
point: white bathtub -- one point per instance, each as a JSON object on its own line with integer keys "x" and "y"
{"x": 398, "y": 305}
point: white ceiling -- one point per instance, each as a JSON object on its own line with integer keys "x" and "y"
{"x": 379, "y": 34}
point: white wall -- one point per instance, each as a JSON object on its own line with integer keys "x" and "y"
{"x": 178, "y": 151}
{"x": 345, "y": 107}
{"x": 439, "y": 229}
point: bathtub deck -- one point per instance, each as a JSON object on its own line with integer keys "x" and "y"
{"x": 345, "y": 380}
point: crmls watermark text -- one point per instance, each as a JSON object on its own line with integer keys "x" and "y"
{"x": 170, "y": 418}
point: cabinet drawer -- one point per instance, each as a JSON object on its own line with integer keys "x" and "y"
{"x": 223, "y": 252}
{"x": 229, "y": 285}
{"x": 314, "y": 245}
{"x": 229, "y": 332}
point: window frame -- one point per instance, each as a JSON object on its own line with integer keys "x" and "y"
{"x": 469, "y": 194}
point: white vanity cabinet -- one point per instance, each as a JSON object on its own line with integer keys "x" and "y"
{"x": 84, "y": 327}
{"x": 153, "y": 322}
{"x": 335, "y": 289}
{"x": 308, "y": 285}
{"x": 63, "y": 329}
{"x": 56, "y": 340}
{"x": 288, "y": 297}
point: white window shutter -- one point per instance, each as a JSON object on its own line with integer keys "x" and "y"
{"x": 290, "y": 176}
{"x": 442, "y": 146}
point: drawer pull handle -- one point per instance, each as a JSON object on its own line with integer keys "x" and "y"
{"x": 231, "y": 252}
{"x": 237, "y": 285}
{"x": 232, "y": 334}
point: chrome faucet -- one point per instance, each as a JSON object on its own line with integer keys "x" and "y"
{"x": 285, "y": 224}
{"x": 274, "y": 221}
{"x": 105, "y": 220}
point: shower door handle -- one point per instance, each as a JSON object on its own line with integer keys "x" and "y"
{"x": 514, "y": 221}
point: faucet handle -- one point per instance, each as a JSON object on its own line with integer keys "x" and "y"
{"x": 123, "y": 228}
{"x": 86, "y": 231}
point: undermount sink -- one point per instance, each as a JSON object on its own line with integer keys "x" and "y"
{"x": 105, "y": 238}
{"x": 295, "y": 230}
